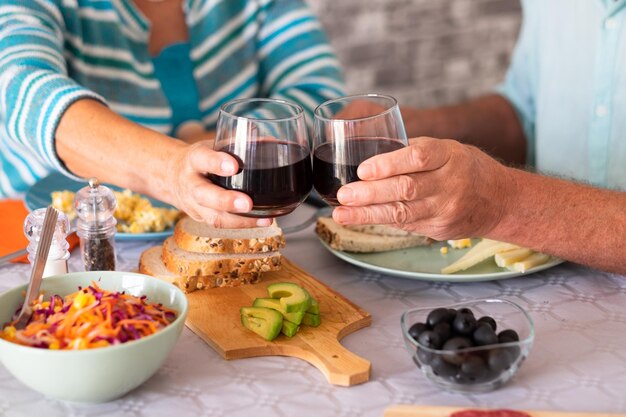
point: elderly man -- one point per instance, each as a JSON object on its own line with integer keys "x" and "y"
{"x": 562, "y": 108}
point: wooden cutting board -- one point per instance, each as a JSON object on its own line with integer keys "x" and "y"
{"x": 214, "y": 316}
{"x": 430, "y": 411}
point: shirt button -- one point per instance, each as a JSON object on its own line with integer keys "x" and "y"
{"x": 601, "y": 110}
{"x": 610, "y": 23}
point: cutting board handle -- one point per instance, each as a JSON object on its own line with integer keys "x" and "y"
{"x": 338, "y": 364}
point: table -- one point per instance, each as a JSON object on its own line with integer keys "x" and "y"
{"x": 578, "y": 362}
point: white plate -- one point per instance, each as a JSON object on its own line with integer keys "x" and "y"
{"x": 425, "y": 263}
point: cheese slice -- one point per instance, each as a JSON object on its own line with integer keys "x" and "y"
{"x": 532, "y": 261}
{"x": 511, "y": 256}
{"x": 484, "y": 249}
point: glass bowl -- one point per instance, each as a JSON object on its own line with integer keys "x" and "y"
{"x": 485, "y": 359}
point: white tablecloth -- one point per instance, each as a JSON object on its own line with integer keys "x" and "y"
{"x": 578, "y": 362}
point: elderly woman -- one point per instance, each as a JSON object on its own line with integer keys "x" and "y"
{"x": 102, "y": 87}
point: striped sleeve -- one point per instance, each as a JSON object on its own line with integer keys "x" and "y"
{"x": 35, "y": 90}
{"x": 296, "y": 61}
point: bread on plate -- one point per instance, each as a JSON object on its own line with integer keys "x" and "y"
{"x": 379, "y": 238}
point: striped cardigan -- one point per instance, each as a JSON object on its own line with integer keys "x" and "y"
{"x": 54, "y": 52}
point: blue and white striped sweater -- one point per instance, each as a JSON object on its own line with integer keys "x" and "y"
{"x": 54, "y": 52}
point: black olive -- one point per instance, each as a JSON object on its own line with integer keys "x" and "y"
{"x": 508, "y": 335}
{"x": 416, "y": 329}
{"x": 439, "y": 315}
{"x": 444, "y": 329}
{"x": 490, "y": 321}
{"x": 442, "y": 368}
{"x": 465, "y": 310}
{"x": 473, "y": 368}
{"x": 463, "y": 324}
{"x": 456, "y": 343}
{"x": 499, "y": 359}
{"x": 430, "y": 339}
{"x": 423, "y": 356}
{"x": 484, "y": 335}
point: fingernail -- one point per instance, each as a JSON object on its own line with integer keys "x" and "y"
{"x": 228, "y": 167}
{"x": 345, "y": 195}
{"x": 366, "y": 171}
{"x": 241, "y": 204}
{"x": 263, "y": 222}
{"x": 339, "y": 216}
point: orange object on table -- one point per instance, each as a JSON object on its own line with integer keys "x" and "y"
{"x": 12, "y": 216}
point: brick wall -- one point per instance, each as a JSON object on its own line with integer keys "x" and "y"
{"x": 423, "y": 52}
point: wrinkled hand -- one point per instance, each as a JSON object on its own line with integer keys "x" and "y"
{"x": 203, "y": 200}
{"x": 440, "y": 188}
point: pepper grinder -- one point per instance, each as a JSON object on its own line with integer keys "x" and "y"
{"x": 95, "y": 206}
{"x": 59, "y": 248}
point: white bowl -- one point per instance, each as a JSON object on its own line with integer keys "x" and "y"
{"x": 93, "y": 375}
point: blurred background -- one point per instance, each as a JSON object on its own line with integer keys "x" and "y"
{"x": 423, "y": 52}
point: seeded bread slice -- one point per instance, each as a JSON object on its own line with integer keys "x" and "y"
{"x": 344, "y": 239}
{"x": 182, "y": 262}
{"x": 380, "y": 230}
{"x": 151, "y": 263}
{"x": 194, "y": 236}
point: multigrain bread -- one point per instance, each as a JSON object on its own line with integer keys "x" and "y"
{"x": 186, "y": 263}
{"x": 194, "y": 236}
{"x": 151, "y": 263}
{"x": 348, "y": 240}
{"x": 379, "y": 230}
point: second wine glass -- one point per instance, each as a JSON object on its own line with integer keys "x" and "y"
{"x": 348, "y": 131}
{"x": 268, "y": 138}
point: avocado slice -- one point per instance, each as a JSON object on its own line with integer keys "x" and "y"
{"x": 295, "y": 317}
{"x": 265, "y": 322}
{"x": 289, "y": 329}
{"x": 312, "y": 320}
{"x": 292, "y": 297}
{"x": 315, "y": 307}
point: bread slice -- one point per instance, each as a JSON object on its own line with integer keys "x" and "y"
{"x": 194, "y": 236}
{"x": 380, "y": 230}
{"x": 344, "y": 239}
{"x": 185, "y": 263}
{"x": 151, "y": 263}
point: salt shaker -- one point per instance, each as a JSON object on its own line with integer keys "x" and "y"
{"x": 95, "y": 206}
{"x": 59, "y": 248}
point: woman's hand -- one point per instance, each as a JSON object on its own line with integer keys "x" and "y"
{"x": 440, "y": 188}
{"x": 202, "y": 200}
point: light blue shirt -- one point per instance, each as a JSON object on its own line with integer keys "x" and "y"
{"x": 567, "y": 81}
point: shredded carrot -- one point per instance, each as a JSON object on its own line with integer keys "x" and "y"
{"x": 89, "y": 318}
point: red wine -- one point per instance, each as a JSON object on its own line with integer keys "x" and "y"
{"x": 276, "y": 175}
{"x": 334, "y": 166}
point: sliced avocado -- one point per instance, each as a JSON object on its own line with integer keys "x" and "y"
{"x": 295, "y": 317}
{"x": 315, "y": 307}
{"x": 289, "y": 329}
{"x": 312, "y": 320}
{"x": 292, "y": 297}
{"x": 265, "y": 322}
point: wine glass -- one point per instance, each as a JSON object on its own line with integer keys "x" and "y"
{"x": 348, "y": 131}
{"x": 268, "y": 138}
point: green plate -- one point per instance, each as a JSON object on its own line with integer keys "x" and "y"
{"x": 426, "y": 262}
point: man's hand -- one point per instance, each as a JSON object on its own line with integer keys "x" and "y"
{"x": 203, "y": 200}
{"x": 440, "y": 188}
